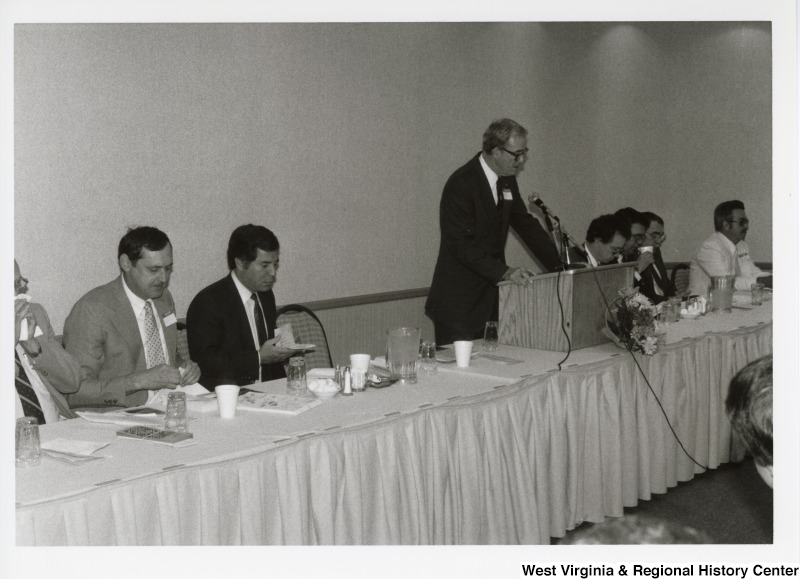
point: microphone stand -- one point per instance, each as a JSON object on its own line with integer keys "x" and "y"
{"x": 561, "y": 238}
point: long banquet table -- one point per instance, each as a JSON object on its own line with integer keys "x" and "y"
{"x": 494, "y": 454}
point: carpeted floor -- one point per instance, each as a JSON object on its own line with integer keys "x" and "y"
{"x": 732, "y": 504}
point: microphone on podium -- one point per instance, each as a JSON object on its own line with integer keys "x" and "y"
{"x": 536, "y": 200}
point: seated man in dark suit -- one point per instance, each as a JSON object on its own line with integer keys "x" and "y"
{"x": 605, "y": 242}
{"x": 638, "y": 226}
{"x": 124, "y": 333}
{"x": 655, "y": 282}
{"x": 231, "y": 323}
{"x": 43, "y": 370}
{"x": 749, "y": 407}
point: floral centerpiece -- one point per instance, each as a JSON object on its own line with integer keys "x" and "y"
{"x": 630, "y": 322}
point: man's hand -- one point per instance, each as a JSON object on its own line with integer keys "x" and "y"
{"x": 271, "y": 353}
{"x": 519, "y": 275}
{"x": 645, "y": 260}
{"x": 157, "y": 377}
{"x": 191, "y": 373}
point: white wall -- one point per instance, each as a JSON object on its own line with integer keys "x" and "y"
{"x": 339, "y": 137}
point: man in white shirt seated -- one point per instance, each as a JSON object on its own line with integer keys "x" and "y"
{"x": 43, "y": 370}
{"x": 725, "y": 252}
{"x": 605, "y": 241}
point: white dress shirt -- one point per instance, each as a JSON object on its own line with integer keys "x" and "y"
{"x": 250, "y": 309}
{"x": 491, "y": 176}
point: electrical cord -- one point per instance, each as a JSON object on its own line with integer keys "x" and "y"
{"x": 641, "y": 371}
{"x": 563, "y": 329}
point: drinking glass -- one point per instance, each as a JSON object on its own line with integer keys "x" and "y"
{"x": 175, "y": 418}
{"x": 427, "y": 357}
{"x": 675, "y": 309}
{"x": 296, "y": 376}
{"x": 403, "y": 351}
{"x": 757, "y": 294}
{"x": 28, "y": 451}
{"x": 490, "y": 337}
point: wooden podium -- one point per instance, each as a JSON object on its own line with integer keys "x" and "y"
{"x": 530, "y": 317}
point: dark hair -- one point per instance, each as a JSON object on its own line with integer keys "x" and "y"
{"x": 633, "y": 216}
{"x": 606, "y": 226}
{"x": 499, "y": 132}
{"x": 246, "y": 240}
{"x": 724, "y": 211}
{"x": 636, "y": 530}
{"x": 650, "y": 216}
{"x": 749, "y": 407}
{"x": 138, "y": 238}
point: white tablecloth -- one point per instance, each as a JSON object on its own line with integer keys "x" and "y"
{"x": 464, "y": 457}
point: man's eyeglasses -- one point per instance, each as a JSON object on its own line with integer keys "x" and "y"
{"x": 617, "y": 251}
{"x": 516, "y": 154}
{"x": 20, "y": 283}
{"x": 741, "y": 222}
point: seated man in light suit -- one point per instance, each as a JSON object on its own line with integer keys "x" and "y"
{"x": 605, "y": 242}
{"x": 43, "y": 370}
{"x": 725, "y": 252}
{"x": 124, "y": 333}
{"x": 230, "y": 324}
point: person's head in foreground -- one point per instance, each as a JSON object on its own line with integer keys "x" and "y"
{"x": 749, "y": 407}
{"x": 636, "y": 530}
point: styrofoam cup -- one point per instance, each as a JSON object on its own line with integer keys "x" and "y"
{"x": 645, "y": 249}
{"x": 227, "y": 398}
{"x": 463, "y": 353}
{"x": 359, "y": 363}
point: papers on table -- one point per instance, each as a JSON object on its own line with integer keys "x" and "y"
{"x": 277, "y": 403}
{"x": 72, "y": 451}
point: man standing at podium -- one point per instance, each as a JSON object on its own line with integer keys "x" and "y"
{"x": 479, "y": 203}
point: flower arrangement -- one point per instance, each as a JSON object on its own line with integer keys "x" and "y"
{"x": 630, "y": 322}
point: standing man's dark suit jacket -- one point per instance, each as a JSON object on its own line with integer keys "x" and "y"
{"x": 649, "y": 280}
{"x": 471, "y": 259}
{"x": 220, "y": 339}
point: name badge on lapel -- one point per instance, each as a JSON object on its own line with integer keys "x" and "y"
{"x": 506, "y": 195}
{"x": 169, "y": 319}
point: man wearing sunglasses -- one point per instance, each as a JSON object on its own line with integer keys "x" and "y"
{"x": 479, "y": 203}
{"x": 725, "y": 252}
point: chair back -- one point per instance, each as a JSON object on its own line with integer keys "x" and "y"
{"x": 307, "y": 329}
{"x": 680, "y": 279}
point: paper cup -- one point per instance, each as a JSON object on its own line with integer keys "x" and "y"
{"x": 645, "y": 249}
{"x": 359, "y": 362}
{"x": 227, "y": 397}
{"x": 463, "y": 353}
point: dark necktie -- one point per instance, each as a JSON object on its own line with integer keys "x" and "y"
{"x": 30, "y": 403}
{"x": 501, "y": 184}
{"x": 261, "y": 328}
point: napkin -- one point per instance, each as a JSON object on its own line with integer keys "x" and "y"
{"x": 285, "y": 336}
{"x": 73, "y": 451}
{"x": 23, "y": 325}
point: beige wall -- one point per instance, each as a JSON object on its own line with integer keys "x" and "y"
{"x": 339, "y": 137}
